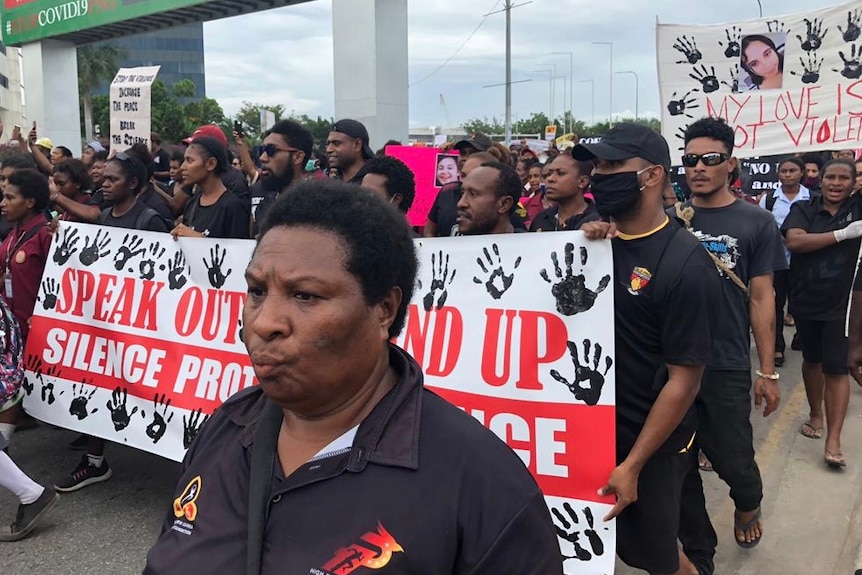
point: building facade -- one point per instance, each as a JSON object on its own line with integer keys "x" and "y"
{"x": 11, "y": 98}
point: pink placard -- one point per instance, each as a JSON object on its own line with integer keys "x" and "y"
{"x": 432, "y": 168}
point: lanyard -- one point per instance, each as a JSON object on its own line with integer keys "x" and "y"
{"x": 22, "y": 239}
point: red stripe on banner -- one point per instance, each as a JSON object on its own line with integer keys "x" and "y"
{"x": 192, "y": 377}
{"x": 569, "y": 449}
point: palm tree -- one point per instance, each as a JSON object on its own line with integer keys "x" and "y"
{"x": 96, "y": 65}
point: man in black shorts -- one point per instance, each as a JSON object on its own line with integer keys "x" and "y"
{"x": 664, "y": 317}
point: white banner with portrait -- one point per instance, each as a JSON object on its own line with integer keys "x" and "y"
{"x": 788, "y": 84}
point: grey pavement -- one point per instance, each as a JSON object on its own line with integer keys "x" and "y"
{"x": 813, "y": 515}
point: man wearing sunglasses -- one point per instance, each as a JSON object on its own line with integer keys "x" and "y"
{"x": 285, "y": 150}
{"x": 744, "y": 242}
{"x": 664, "y": 320}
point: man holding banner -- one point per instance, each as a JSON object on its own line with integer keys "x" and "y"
{"x": 659, "y": 272}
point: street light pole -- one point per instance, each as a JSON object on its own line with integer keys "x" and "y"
{"x": 592, "y": 100}
{"x": 550, "y": 88}
{"x": 760, "y": 8}
{"x": 637, "y": 88}
{"x": 570, "y": 120}
{"x": 610, "y": 45}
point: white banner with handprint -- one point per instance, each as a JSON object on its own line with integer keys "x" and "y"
{"x": 138, "y": 338}
{"x": 786, "y": 85}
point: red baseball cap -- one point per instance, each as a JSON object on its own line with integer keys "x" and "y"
{"x": 210, "y": 131}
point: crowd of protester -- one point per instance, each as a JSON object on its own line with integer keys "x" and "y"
{"x": 684, "y": 385}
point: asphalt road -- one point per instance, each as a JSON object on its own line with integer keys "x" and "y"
{"x": 813, "y": 524}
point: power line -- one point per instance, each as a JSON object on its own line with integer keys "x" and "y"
{"x": 461, "y": 47}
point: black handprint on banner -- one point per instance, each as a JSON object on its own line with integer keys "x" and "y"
{"x": 48, "y": 386}
{"x": 157, "y": 427}
{"x": 214, "y": 272}
{"x": 594, "y": 379}
{"x": 50, "y": 289}
{"x": 680, "y": 106}
{"x": 814, "y": 35}
{"x": 177, "y": 271}
{"x": 132, "y": 247}
{"x": 192, "y": 426}
{"x": 147, "y": 268}
{"x": 776, "y": 26}
{"x": 852, "y": 66}
{"x": 33, "y": 364}
{"x": 440, "y": 282}
{"x": 680, "y": 135}
{"x": 569, "y": 530}
{"x": 98, "y": 249}
{"x": 120, "y": 415}
{"x": 78, "y": 408}
{"x": 734, "y": 79}
{"x": 708, "y": 81}
{"x": 854, "y": 20}
{"x": 732, "y": 48}
{"x": 687, "y": 48}
{"x": 571, "y": 291}
{"x": 810, "y": 71}
{"x": 66, "y": 249}
{"x": 497, "y": 282}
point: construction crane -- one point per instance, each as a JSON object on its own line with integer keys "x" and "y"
{"x": 445, "y": 112}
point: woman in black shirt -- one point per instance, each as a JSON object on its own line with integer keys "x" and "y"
{"x": 213, "y": 212}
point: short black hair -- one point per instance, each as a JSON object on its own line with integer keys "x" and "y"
{"x": 67, "y": 153}
{"x": 815, "y": 159}
{"x": 399, "y": 178}
{"x": 32, "y": 184}
{"x": 19, "y": 162}
{"x": 77, "y": 171}
{"x": 212, "y": 148}
{"x": 795, "y": 161}
{"x": 841, "y": 162}
{"x": 295, "y": 135}
{"x": 585, "y": 167}
{"x": 712, "y": 128}
{"x": 380, "y": 251}
{"x": 132, "y": 167}
{"x": 178, "y": 155}
{"x": 508, "y": 182}
{"x": 156, "y": 138}
{"x": 100, "y": 156}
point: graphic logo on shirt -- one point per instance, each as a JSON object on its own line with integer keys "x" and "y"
{"x": 724, "y": 247}
{"x": 373, "y": 550}
{"x": 639, "y": 280}
{"x": 185, "y": 505}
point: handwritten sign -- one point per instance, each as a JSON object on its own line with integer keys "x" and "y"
{"x": 786, "y": 85}
{"x": 130, "y": 106}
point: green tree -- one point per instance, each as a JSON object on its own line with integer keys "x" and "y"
{"x": 102, "y": 114}
{"x": 168, "y": 115}
{"x": 96, "y": 66}
{"x": 319, "y": 127}
{"x": 484, "y": 126}
{"x": 249, "y": 117}
{"x": 205, "y": 111}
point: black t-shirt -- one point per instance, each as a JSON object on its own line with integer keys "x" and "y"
{"x": 665, "y": 310}
{"x": 444, "y": 212}
{"x": 161, "y": 163}
{"x": 226, "y": 218}
{"x": 97, "y": 199}
{"x": 153, "y": 199}
{"x": 547, "y": 220}
{"x": 129, "y": 220}
{"x": 820, "y": 281}
{"x": 745, "y": 238}
{"x": 237, "y": 184}
{"x": 261, "y": 201}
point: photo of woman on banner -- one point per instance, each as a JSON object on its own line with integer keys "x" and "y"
{"x": 762, "y": 62}
{"x": 447, "y": 170}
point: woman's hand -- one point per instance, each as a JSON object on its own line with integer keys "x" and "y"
{"x": 183, "y": 231}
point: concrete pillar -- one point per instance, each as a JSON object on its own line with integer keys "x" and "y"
{"x": 51, "y": 92}
{"x": 370, "y": 52}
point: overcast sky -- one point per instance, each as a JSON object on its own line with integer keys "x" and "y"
{"x": 284, "y": 56}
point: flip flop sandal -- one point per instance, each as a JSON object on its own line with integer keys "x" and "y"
{"x": 810, "y": 431}
{"x": 744, "y": 528}
{"x": 835, "y": 460}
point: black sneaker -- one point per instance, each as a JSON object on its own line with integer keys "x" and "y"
{"x": 29, "y": 515}
{"x": 84, "y": 475}
{"x": 80, "y": 444}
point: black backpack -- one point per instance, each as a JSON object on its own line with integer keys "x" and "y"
{"x": 145, "y": 216}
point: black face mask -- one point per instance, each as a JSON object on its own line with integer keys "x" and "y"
{"x": 811, "y": 182}
{"x": 615, "y": 194}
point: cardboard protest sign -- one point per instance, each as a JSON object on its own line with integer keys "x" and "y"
{"x": 786, "y": 85}
{"x": 137, "y": 339}
{"x": 432, "y": 169}
{"x": 130, "y": 106}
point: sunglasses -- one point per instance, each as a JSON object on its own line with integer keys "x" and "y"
{"x": 271, "y": 149}
{"x": 711, "y": 159}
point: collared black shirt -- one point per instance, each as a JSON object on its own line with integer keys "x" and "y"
{"x": 443, "y": 492}
{"x": 549, "y": 221}
{"x": 820, "y": 281}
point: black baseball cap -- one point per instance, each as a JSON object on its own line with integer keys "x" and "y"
{"x": 355, "y": 129}
{"x": 625, "y": 141}
{"x": 480, "y": 142}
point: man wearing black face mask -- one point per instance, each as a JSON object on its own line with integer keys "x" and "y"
{"x": 665, "y": 290}
{"x": 286, "y": 148}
